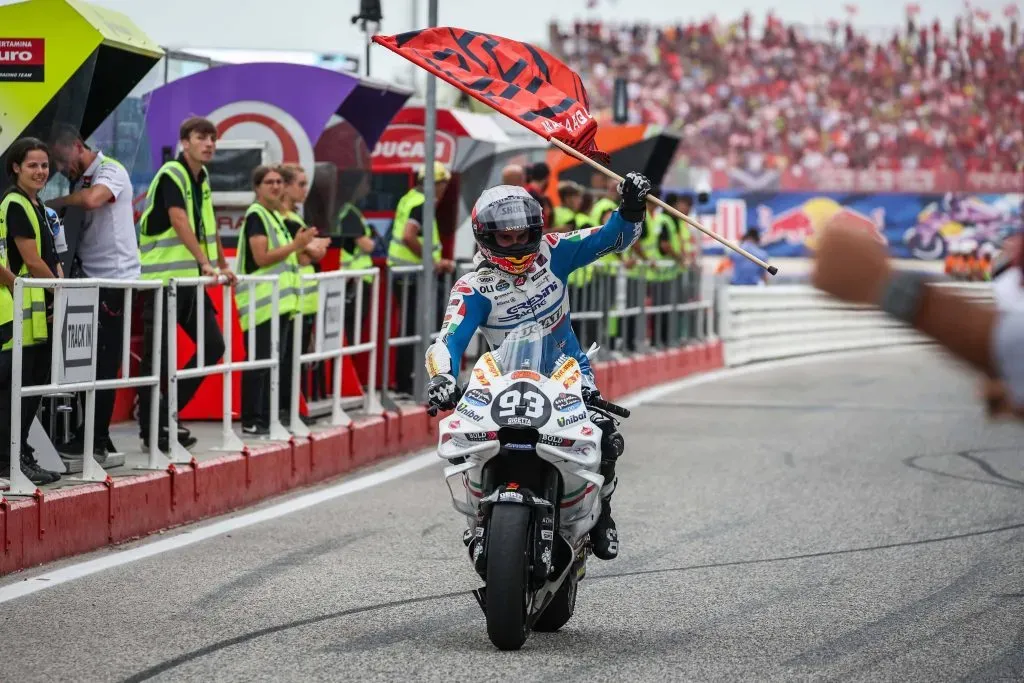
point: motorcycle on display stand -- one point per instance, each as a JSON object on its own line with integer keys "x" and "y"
{"x": 522, "y": 441}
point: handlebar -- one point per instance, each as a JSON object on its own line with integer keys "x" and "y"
{"x": 601, "y": 404}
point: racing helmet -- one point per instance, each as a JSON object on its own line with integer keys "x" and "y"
{"x": 505, "y": 208}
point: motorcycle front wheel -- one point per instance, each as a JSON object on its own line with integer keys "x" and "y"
{"x": 508, "y": 567}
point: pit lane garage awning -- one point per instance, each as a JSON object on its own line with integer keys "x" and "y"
{"x": 66, "y": 62}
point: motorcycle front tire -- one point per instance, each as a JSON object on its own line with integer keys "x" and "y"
{"x": 508, "y": 567}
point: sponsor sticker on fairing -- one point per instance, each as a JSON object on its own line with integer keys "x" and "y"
{"x": 469, "y": 412}
{"x": 481, "y": 377}
{"x": 564, "y": 369}
{"x": 571, "y": 419}
{"x": 566, "y": 403}
{"x": 478, "y": 397}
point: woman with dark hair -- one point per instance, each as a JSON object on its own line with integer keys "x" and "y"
{"x": 26, "y": 250}
{"x": 266, "y": 248}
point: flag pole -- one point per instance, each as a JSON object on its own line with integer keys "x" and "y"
{"x": 671, "y": 209}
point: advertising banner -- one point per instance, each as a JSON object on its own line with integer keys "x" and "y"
{"x": 924, "y": 181}
{"x": 920, "y": 226}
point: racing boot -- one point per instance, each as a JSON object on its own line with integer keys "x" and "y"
{"x": 604, "y": 537}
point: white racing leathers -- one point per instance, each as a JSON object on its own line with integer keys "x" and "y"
{"x": 496, "y": 302}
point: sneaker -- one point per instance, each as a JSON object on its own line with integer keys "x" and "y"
{"x": 109, "y": 446}
{"x": 604, "y": 537}
{"x": 255, "y": 430}
{"x": 36, "y": 474}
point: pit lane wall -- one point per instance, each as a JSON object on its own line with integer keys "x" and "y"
{"x": 67, "y": 522}
{"x": 784, "y": 321}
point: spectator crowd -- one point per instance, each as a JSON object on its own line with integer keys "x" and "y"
{"x": 788, "y": 97}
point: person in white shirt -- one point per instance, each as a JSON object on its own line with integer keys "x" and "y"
{"x": 108, "y": 249}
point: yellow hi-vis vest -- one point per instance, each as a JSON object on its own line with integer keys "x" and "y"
{"x": 33, "y": 303}
{"x": 563, "y": 216}
{"x": 358, "y": 260}
{"x": 581, "y": 276}
{"x": 287, "y": 272}
{"x": 398, "y": 253}
{"x": 165, "y": 256}
{"x": 310, "y": 298}
{"x": 660, "y": 227}
{"x": 601, "y": 206}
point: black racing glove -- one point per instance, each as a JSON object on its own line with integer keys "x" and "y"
{"x": 633, "y": 189}
{"x": 443, "y": 392}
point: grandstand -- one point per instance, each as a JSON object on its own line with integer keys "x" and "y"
{"x": 790, "y": 98}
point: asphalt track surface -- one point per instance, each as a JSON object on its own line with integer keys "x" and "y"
{"x": 853, "y": 520}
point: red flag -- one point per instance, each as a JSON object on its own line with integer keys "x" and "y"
{"x": 520, "y": 80}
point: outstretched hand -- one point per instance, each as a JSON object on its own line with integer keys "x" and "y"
{"x": 634, "y": 189}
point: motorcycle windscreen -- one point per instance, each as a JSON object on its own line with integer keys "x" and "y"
{"x": 528, "y": 348}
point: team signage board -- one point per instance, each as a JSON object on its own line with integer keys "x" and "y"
{"x": 76, "y": 313}
{"x": 328, "y": 334}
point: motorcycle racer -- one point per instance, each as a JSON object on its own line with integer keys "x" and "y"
{"x": 522, "y": 274}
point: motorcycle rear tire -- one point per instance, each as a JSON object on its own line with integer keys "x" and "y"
{"x": 508, "y": 567}
{"x": 560, "y": 610}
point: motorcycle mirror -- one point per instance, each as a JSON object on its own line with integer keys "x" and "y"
{"x": 592, "y": 351}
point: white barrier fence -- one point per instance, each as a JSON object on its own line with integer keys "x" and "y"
{"x": 331, "y": 343}
{"x": 73, "y": 356}
{"x": 230, "y": 440}
{"x": 764, "y": 323}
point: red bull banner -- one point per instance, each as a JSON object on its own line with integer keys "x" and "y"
{"x": 920, "y": 226}
{"x": 922, "y": 181}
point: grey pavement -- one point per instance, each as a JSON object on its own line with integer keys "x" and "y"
{"x": 848, "y": 520}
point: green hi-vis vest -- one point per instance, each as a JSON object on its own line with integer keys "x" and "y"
{"x": 564, "y": 216}
{"x": 33, "y": 303}
{"x": 660, "y": 227}
{"x": 165, "y": 256}
{"x": 287, "y": 272}
{"x": 358, "y": 260}
{"x": 310, "y": 297}
{"x": 398, "y": 253}
{"x": 581, "y": 276}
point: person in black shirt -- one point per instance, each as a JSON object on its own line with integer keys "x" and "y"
{"x": 198, "y": 139}
{"x": 28, "y": 162}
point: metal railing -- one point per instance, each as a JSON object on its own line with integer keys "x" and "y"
{"x": 664, "y": 311}
{"x": 400, "y": 295}
{"x": 230, "y": 440}
{"x": 65, "y": 368}
{"x": 608, "y": 303}
{"x": 332, "y": 291}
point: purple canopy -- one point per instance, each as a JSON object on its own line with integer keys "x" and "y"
{"x": 287, "y": 104}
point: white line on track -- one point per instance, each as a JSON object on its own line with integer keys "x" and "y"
{"x": 408, "y": 466}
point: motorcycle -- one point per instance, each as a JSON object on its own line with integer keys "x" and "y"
{"x": 524, "y": 445}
